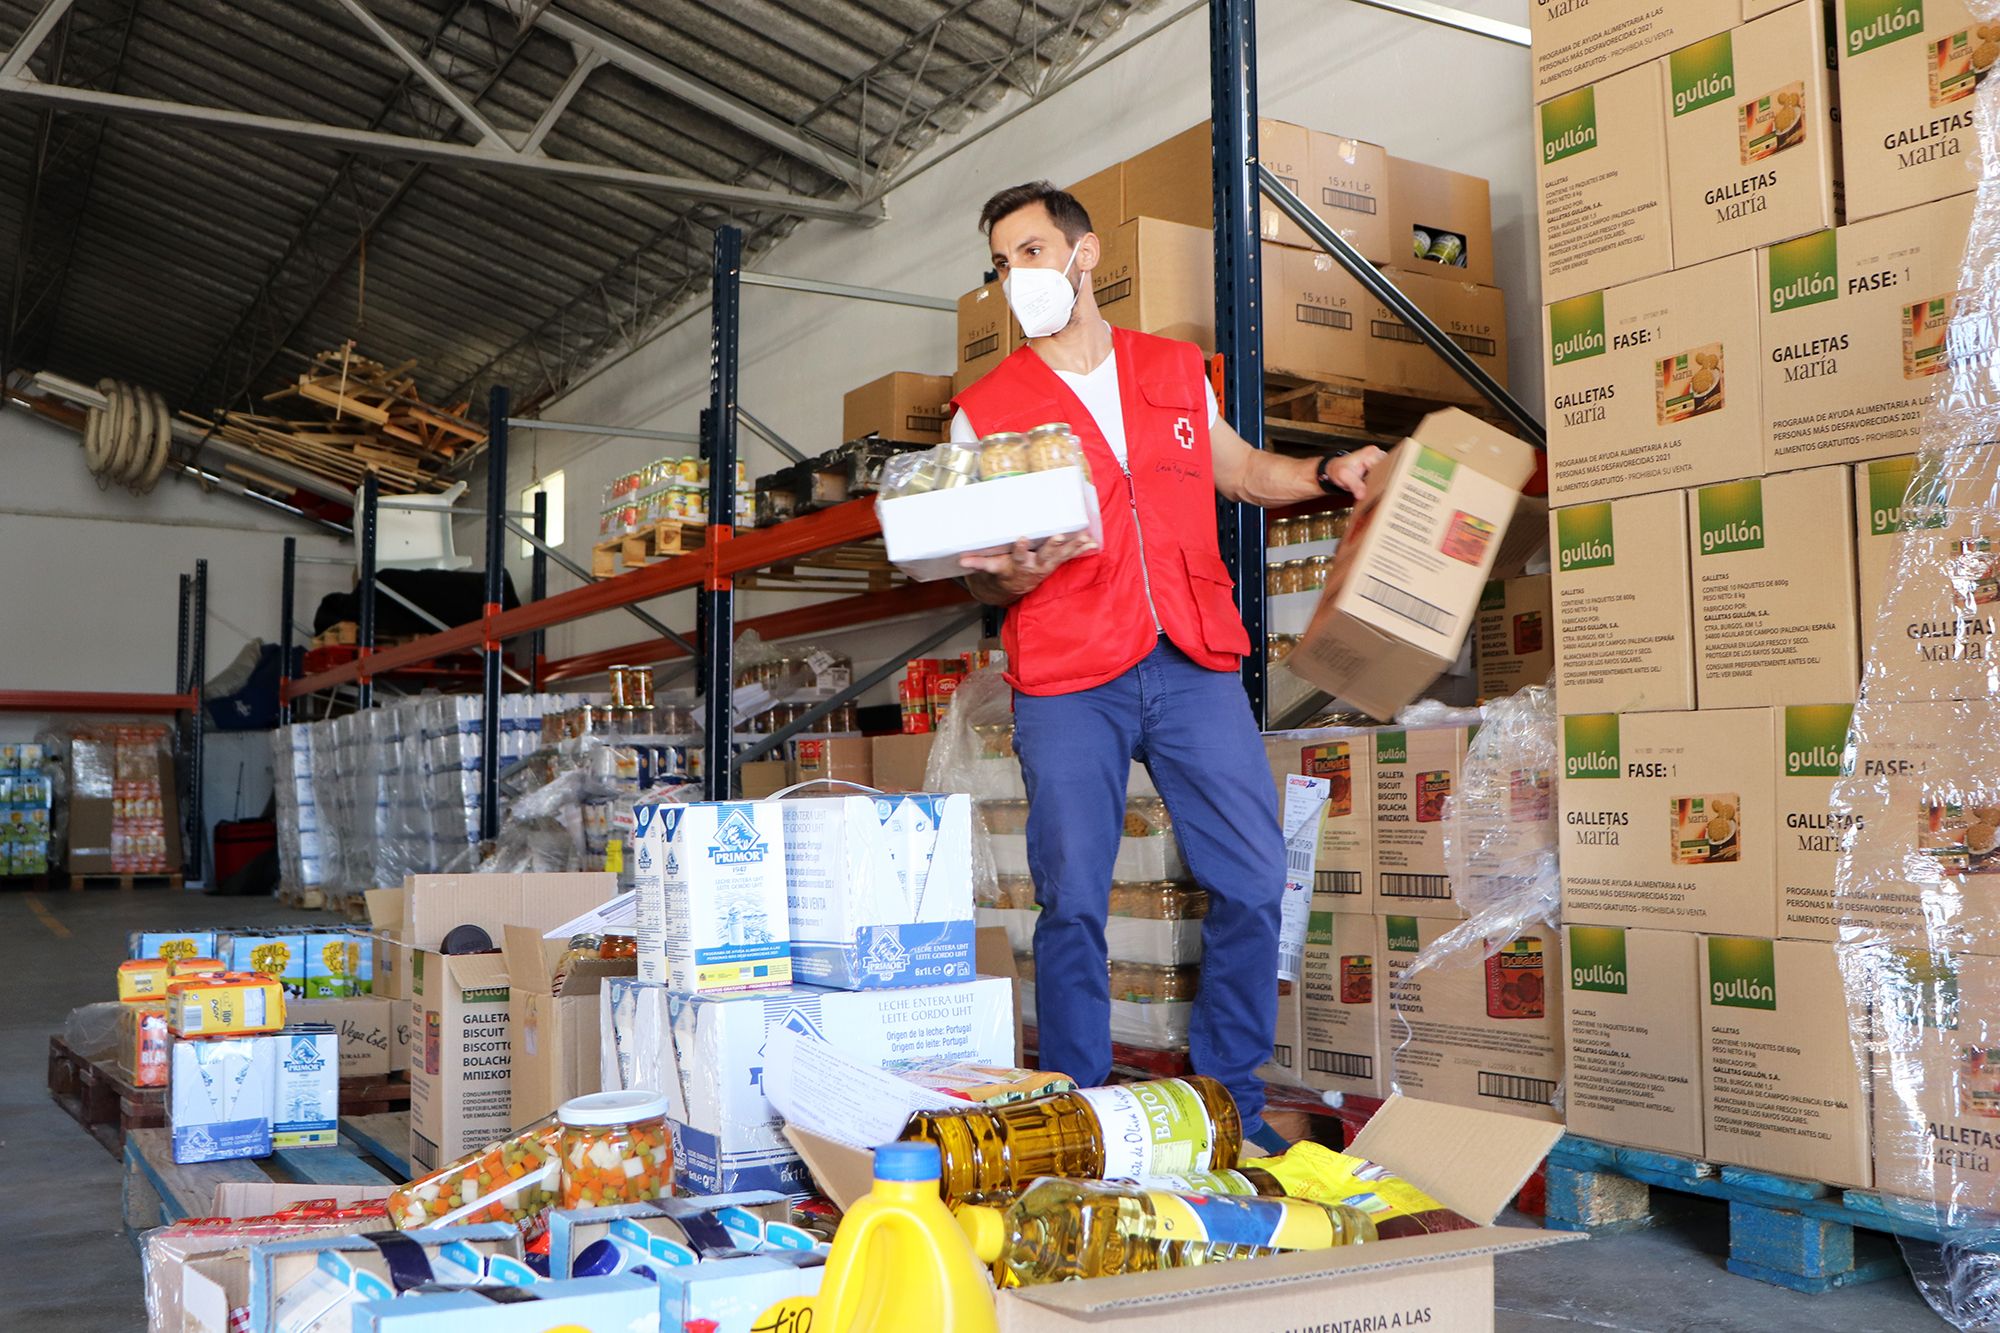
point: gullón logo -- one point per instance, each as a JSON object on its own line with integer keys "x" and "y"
{"x": 1873, "y": 23}
{"x": 1805, "y": 271}
{"x": 1434, "y": 469}
{"x": 1392, "y": 747}
{"x": 1731, "y": 516}
{"x": 1569, "y": 124}
{"x": 1583, "y": 536}
{"x": 1590, "y": 745}
{"x": 1597, "y": 959}
{"x": 1899, "y": 499}
{"x": 1703, "y": 74}
{"x": 1402, "y": 933}
{"x": 1576, "y": 328}
{"x": 1816, "y": 740}
{"x": 1742, "y": 973}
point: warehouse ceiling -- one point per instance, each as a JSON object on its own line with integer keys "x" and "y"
{"x": 503, "y": 190}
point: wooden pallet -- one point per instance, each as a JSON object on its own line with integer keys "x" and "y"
{"x": 855, "y": 568}
{"x": 344, "y": 634}
{"x": 1345, "y": 414}
{"x": 667, "y": 537}
{"x": 307, "y": 900}
{"x": 158, "y": 1190}
{"x": 77, "y": 883}
{"x": 1797, "y": 1234}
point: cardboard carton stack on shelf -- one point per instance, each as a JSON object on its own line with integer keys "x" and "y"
{"x": 26, "y": 805}
{"x": 1746, "y": 318}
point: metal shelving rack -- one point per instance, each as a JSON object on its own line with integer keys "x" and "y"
{"x": 727, "y": 555}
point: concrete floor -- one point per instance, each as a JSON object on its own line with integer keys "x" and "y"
{"x": 69, "y": 1267}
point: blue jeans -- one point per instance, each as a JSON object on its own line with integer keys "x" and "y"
{"x": 1192, "y": 729}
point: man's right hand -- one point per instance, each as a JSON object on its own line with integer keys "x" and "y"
{"x": 1005, "y": 577}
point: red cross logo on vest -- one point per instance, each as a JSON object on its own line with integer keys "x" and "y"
{"x": 1184, "y": 432}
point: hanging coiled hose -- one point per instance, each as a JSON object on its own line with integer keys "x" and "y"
{"x": 127, "y": 441}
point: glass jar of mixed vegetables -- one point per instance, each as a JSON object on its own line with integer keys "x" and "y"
{"x": 614, "y": 1148}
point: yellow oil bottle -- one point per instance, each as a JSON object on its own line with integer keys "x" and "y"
{"x": 900, "y": 1263}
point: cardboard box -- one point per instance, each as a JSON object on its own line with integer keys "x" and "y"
{"x": 879, "y": 889}
{"x": 1405, "y": 583}
{"x": 1855, "y": 332}
{"x": 338, "y": 964}
{"x": 1933, "y": 1080}
{"x": 763, "y": 777}
{"x": 143, "y": 1042}
{"x": 1624, "y": 637}
{"x": 1578, "y": 44}
{"x": 1474, "y": 317}
{"x": 1283, "y": 1066}
{"x": 925, "y": 534}
{"x": 1175, "y": 181}
{"x": 461, "y": 1057}
{"x": 1668, "y": 820}
{"x": 437, "y": 903}
{"x": 675, "y": 1231}
{"x": 387, "y": 913}
{"x": 1781, "y": 1090}
{"x": 276, "y": 954}
{"x": 1752, "y": 156}
{"x": 1880, "y": 487}
{"x": 1347, "y": 187}
{"x": 1632, "y": 1037}
{"x": 306, "y": 1108}
{"x": 1774, "y": 612}
{"x": 335, "y": 1273}
{"x": 840, "y": 758}
{"x": 221, "y": 1098}
{"x": 1908, "y": 101}
{"x": 171, "y": 944}
{"x": 552, "y": 1034}
{"x": 1445, "y": 206}
{"x": 1602, "y": 178}
{"x": 1516, "y": 642}
{"x": 1483, "y": 1033}
{"x": 1344, "y": 865}
{"x": 987, "y": 333}
{"x": 899, "y": 761}
{"x": 144, "y": 979}
{"x": 1339, "y": 990}
{"x": 1812, "y": 754}
{"x": 403, "y": 1016}
{"x": 1313, "y": 316}
{"x": 906, "y": 406}
{"x": 1472, "y": 1161}
{"x": 1651, "y": 385}
{"x": 1932, "y": 576}
{"x": 711, "y": 884}
{"x": 1102, "y": 196}
{"x": 1155, "y": 276}
{"x": 364, "y": 1027}
{"x": 583, "y": 1305}
{"x": 1416, "y": 771}
{"x": 222, "y": 1004}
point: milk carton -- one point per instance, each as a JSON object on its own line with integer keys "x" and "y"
{"x": 711, "y": 883}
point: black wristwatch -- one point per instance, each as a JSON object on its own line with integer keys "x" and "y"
{"x": 1326, "y": 484}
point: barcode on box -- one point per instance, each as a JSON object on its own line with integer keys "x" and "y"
{"x": 924, "y": 424}
{"x": 1346, "y": 1064}
{"x": 1476, "y": 345}
{"x": 1325, "y": 318}
{"x": 1516, "y": 1088}
{"x": 1281, "y": 1055}
{"x": 1347, "y": 199}
{"x": 1416, "y": 886}
{"x": 1393, "y": 330}
{"x": 1402, "y": 602}
{"x": 1337, "y": 881}
{"x": 979, "y": 347}
{"x": 1113, "y": 291}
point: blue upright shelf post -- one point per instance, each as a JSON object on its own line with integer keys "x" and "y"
{"x": 496, "y": 583}
{"x": 286, "y": 665}
{"x": 364, "y": 616}
{"x": 538, "y": 585}
{"x": 1239, "y": 303}
{"x": 718, "y": 674}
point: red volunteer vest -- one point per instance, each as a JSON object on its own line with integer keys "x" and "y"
{"x": 1087, "y": 623}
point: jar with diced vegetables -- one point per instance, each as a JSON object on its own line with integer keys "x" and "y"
{"x": 614, "y": 1148}
{"x": 510, "y": 1181}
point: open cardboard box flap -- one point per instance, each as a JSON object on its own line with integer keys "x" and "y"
{"x": 436, "y": 903}
{"x": 531, "y": 965}
{"x": 387, "y": 909}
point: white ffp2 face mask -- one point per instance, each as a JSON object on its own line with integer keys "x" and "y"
{"x": 1041, "y": 298}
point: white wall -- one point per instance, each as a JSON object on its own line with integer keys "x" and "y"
{"x": 1423, "y": 91}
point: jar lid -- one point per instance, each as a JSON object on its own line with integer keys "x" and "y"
{"x": 613, "y": 1108}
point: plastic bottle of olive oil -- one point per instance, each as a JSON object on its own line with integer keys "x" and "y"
{"x": 1061, "y": 1230}
{"x": 1167, "y": 1126}
{"x": 898, "y": 1263}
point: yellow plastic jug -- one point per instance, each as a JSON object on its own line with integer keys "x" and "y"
{"x": 900, "y": 1262}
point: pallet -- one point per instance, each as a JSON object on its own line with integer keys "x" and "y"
{"x": 307, "y": 900}
{"x": 343, "y": 634}
{"x": 126, "y": 883}
{"x": 104, "y": 1100}
{"x": 158, "y": 1190}
{"x": 1345, "y": 414}
{"x": 1797, "y": 1234}
{"x": 854, "y": 568}
{"x": 666, "y": 538}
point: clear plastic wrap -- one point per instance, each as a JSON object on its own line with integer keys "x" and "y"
{"x": 1917, "y": 800}
{"x": 92, "y": 1030}
{"x": 963, "y": 760}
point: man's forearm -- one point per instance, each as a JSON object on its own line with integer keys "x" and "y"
{"x": 1272, "y": 479}
{"x": 987, "y": 588}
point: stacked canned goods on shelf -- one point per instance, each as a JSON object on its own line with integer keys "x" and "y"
{"x": 666, "y": 488}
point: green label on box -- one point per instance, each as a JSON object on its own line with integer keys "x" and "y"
{"x": 1923, "y": 992}
{"x": 1597, "y": 959}
{"x": 1402, "y": 932}
{"x": 1703, "y": 74}
{"x": 1804, "y": 271}
{"x": 1576, "y": 328}
{"x": 1731, "y": 516}
{"x": 1897, "y": 500}
{"x": 1873, "y": 23}
{"x": 1742, "y": 973}
{"x": 1392, "y": 747}
{"x": 1583, "y": 537}
{"x": 1319, "y": 928}
{"x": 1590, "y": 745}
{"x": 1434, "y": 469}
{"x": 1493, "y": 596}
{"x": 1816, "y": 740}
{"x": 1569, "y": 124}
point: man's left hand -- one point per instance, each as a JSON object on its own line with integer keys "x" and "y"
{"x": 1350, "y": 471}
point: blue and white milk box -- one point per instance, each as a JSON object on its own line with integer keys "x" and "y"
{"x": 711, "y": 883}
{"x": 879, "y": 889}
{"x": 307, "y": 1108}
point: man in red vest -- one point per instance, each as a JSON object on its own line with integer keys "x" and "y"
{"x": 1131, "y": 652}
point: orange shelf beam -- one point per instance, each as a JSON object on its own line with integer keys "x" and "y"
{"x": 83, "y": 701}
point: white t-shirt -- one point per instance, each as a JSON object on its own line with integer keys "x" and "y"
{"x": 1097, "y": 390}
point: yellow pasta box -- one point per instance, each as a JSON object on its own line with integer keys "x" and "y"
{"x": 194, "y": 967}
{"x": 225, "y": 1004}
{"x": 142, "y": 979}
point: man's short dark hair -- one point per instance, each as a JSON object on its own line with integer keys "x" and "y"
{"x": 1067, "y": 213}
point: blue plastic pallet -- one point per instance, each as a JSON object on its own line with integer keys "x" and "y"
{"x": 1791, "y": 1233}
